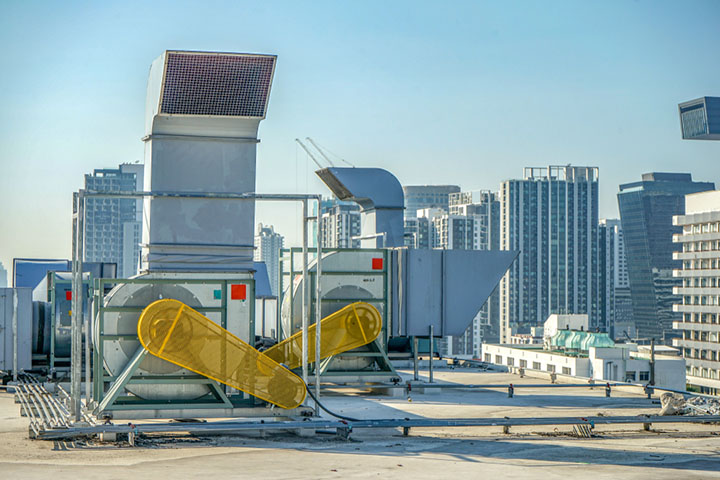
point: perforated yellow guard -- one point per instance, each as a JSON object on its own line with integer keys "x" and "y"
{"x": 353, "y": 326}
{"x": 171, "y": 330}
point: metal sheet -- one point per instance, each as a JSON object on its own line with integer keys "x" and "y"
{"x": 24, "y": 328}
{"x": 469, "y": 278}
{"x": 422, "y": 283}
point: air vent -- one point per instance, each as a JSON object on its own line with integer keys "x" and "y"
{"x": 214, "y": 84}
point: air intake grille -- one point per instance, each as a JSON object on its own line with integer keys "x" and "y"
{"x": 217, "y": 84}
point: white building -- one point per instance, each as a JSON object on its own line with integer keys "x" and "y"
{"x": 579, "y": 353}
{"x": 267, "y": 249}
{"x": 340, "y": 224}
{"x": 615, "y": 303}
{"x": 700, "y": 290}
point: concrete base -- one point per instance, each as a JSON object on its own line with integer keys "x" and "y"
{"x": 304, "y": 432}
{"x": 420, "y": 388}
{"x": 388, "y": 391}
{"x": 108, "y": 437}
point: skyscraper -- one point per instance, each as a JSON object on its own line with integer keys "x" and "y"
{"x": 113, "y": 226}
{"x": 267, "y": 249}
{"x": 340, "y": 224}
{"x": 427, "y": 196}
{"x": 698, "y": 303}
{"x": 615, "y": 314}
{"x": 551, "y": 217}
{"x": 646, "y": 211}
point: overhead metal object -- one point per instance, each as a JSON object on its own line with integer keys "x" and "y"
{"x": 15, "y": 329}
{"x": 381, "y": 200}
{"x": 443, "y": 288}
{"x": 202, "y": 115}
{"x": 700, "y": 119}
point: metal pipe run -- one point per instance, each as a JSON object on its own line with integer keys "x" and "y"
{"x": 229, "y": 427}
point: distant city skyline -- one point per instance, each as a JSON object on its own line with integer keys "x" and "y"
{"x": 464, "y": 95}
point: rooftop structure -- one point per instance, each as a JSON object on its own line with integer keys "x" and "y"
{"x": 700, "y": 119}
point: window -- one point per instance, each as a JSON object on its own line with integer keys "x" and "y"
{"x": 644, "y": 376}
{"x": 523, "y": 363}
{"x": 629, "y": 376}
{"x": 510, "y": 361}
{"x": 566, "y": 371}
{"x": 551, "y": 368}
{"x": 498, "y": 359}
{"x": 536, "y": 366}
{"x": 488, "y": 357}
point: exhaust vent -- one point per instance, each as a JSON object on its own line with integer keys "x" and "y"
{"x": 232, "y": 85}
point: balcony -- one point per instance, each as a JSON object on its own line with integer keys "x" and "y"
{"x": 699, "y": 327}
{"x": 696, "y": 308}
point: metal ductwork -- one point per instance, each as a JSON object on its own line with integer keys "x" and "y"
{"x": 381, "y": 200}
{"x": 202, "y": 116}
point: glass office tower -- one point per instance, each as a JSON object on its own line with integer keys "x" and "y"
{"x": 646, "y": 211}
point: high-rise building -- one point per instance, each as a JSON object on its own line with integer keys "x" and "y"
{"x": 268, "y": 244}
{"x": 700, "y": 119}
{"x": 418, "y": 197}
{"x": 340, "y": 224}
{"x": 615, "y": 314}
{"x": 551, "y": 217}
{"x": 646, "y": 211}
{"x": 3, "y": 276}
{"x": 113, "y": 226}
{"x": 697, "y": 294}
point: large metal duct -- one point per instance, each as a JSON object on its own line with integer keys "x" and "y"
{"x": 381, "y": 200}
{"x": 202, "y": 115}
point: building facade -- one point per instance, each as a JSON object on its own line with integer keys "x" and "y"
{"x": 700, "y": 119}
{"x": 340, "y": 224}
{"x": 418, "y": 197}
{"x": 113, "y": 226}
{"x": 3, "y": 276}
{"x": 698, "y": 292}
{"x": 551, "y": 217}
{"x": 268, "y": 244}
{"x": 646, "y": 212}
{"x": 615, "y": 316}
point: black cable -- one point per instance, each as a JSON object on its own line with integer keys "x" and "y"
{"x": 325, "y": 409}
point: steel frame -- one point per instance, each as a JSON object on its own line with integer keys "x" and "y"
{"x": 78, "y": 234}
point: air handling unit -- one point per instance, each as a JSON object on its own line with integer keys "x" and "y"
{"x": 201, "y": 130}
{"x": 419, "y": 293}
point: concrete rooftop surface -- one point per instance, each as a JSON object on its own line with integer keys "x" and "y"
{"x": 548, "y": 452}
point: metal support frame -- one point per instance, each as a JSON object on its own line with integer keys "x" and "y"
{"x": 78, "y": 232}
{"x": 375, "y": 349}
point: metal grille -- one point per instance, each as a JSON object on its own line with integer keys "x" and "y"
{"x": 217, "y": 84}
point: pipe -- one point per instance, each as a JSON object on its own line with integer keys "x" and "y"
{"x": 430, "y": 363}
{"x": 416, "y": 375}
{"x": 15, "y": 334}
{"x": 318, "y": 307}
{"x": 304, "y": 293}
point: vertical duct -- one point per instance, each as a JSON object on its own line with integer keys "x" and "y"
{"x": 202, "y": 115}
{"x": 381, "y": 200}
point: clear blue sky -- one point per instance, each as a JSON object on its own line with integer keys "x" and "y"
{"x": 436, "y": 92}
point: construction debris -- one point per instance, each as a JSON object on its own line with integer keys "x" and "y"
{"x": 675, "y": 404}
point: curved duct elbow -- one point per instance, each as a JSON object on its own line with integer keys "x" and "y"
{"x": 380, "y": 197}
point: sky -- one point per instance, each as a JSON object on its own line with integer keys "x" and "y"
{"x": 462, "y": 92}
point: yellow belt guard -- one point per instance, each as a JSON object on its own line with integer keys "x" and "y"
{"x": 171, "y": 330}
